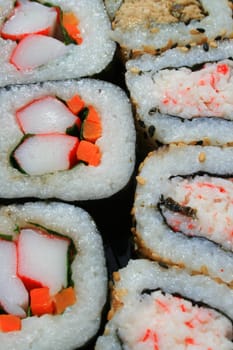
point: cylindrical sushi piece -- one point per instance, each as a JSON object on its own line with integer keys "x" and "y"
{"x": 40, "y": 232}
{"x": 183, "y": 209}
{"x": 154, "y": 26}
{"x": 73, "y": 140}
{"x": 153, "y": 307}
{"x": 183, "y": 96}
{"x": 42, "y": 41}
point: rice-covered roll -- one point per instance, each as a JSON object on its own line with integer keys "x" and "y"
{"x": 183, "y": 209}
{"x": 140, "y": 26}
{"x": 184, "y": 96}
{"x": 73, "y": 140}
{"x": 153, "y": 307}
{"x": 54, "y": 281}
{"x": 55, "y": 40}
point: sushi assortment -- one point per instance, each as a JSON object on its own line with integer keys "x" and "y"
{"x": 177, "y": 57}
{"x": 98, "y": 97}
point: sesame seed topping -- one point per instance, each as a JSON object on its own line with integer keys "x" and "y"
{"x": 140, "y": 180}
{"x": 202, "y": 157}
{"x": 213, "y": 44}
{"x": 205, "y": 47}
{"x": 201, "y": 30}
{"x": 183, "y": 48}
{"x": 134, "y": 70}
{"x": 151, "y": 130}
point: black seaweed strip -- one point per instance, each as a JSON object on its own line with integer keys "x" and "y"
{"x": 186, "y": 120}
{"x": 202, "y": 173}
{"x": 200, "y": 238}
{"x": 194, "y": 302}
{"x": 174, "y": 206}
{"x": 119, "y": 339}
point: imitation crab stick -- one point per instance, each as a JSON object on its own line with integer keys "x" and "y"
{"x": 41, "y": 302}
{"x": 46, "y": 114}
{"x": 29, "y": 17}
{"x": 46, "y": 153}
{"x": 89, "y": 153}
{"x": 66, "y": 297}
{"x": 92, "y": 128}
{"x": 9, "y": 323}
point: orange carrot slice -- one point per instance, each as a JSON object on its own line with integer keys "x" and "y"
{"x": 70, "y": 23}
{"x": 9, "y": 323}
{"x": 69, "y": 18}
{"x": 92, "y": 128}
{"x": 66, "y": 297}
{"x": 75, "y": 104}
{"x": 41, "y": 302}
{"x": 89, "y": 153}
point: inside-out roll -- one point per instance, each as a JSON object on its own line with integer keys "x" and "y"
{"x": 154, "y": 26}
{"x": 42, "y": 41}
{"x": 73, "y": 140}
{"x": 39, "y": 232}
{"x": 182, "y": 209}
{"x": 185, "y": 95}
{"x": 153, "y": 307}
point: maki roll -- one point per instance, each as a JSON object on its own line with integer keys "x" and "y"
{"x": 184, "y": 96}
{"x": 73, "y": 140}
{"x": 56, "y": 40}
{"x": 154, "y": 26}
{"x": 153, "y": 307}
{"x": 183, "y": 209}
{"x": 53, "y": 260}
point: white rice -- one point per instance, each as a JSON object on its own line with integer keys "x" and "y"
{"x": 89, "y": 58}
{"x": 138, "y": 39}
{"x": 117, "y": 143}
{"x": 155, "y": 239}
{"x": 174, "y": 103}
{"x": 133, "y": 310}
{"x": 80, "y": 322}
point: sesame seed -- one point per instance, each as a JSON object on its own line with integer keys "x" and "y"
{"x": 202, "y": 157}
{"x": 213, "y": 44}
{"x": 183, "y": 48}
{"x": 200, "y": 30}
{"x": 153, "y": 111}
{"x": 194, "y": 32}
{"x": 154, "y": 30}
{"x": 140, "y": 180}
{"x": 205, "y": 47}
{"x": 134, "y": 70}
{"x": 141, "y": 123}
{"x": 151, "y": 130}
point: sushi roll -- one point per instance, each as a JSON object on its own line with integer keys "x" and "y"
{"x": 71, "y": 140}
{"x": 183, "y": 96}
{"x": 153, "y": 307}
{"x": 183, "y": 209}
{"x": 155, "y": 26}
{"x": 53, "y": 262}
{"x": 56, "y": 40}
